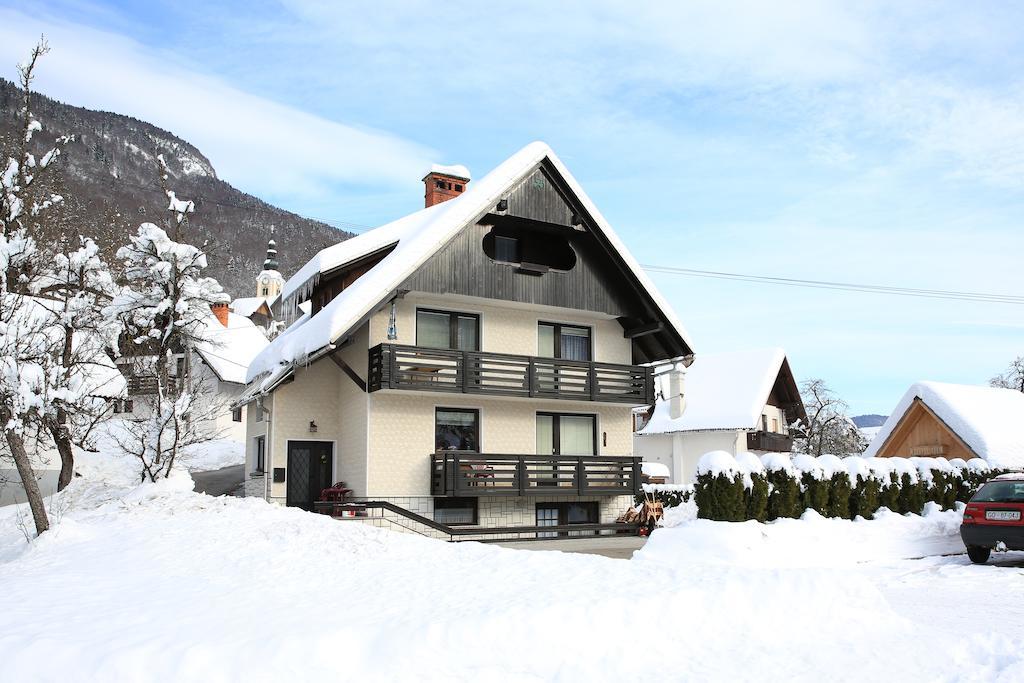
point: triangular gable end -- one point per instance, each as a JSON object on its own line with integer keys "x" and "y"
{"x": 561, "y": 259}
{"x": 915, "y": 413}
{"x": 785, "y": 394}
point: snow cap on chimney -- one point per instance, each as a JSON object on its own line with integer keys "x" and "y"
{"x": 443, "y": 183}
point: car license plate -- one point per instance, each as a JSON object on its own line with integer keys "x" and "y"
{"x": 1003, "y": 515}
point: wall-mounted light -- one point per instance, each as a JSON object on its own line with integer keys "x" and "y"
{"x": 502, "y": 205}
{"x": 312, "y": 427}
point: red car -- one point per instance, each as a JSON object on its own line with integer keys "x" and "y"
{"x": 995, "y": 515}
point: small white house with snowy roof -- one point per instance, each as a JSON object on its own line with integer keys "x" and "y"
{"x": 734, "y": 402}
{"x": 472, "y": 364}
{"x": 935, "y": 419}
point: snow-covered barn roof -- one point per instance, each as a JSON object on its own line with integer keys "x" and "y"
{"x": 232, "y": 348}
{"x": 414, "y": 239}
{"x": 987, "y": 419}
{"x": 723, "y": 391}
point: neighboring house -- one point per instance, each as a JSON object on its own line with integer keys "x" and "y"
{"x": 934, "y": 419}
{"x": 735, "y": 402}
{"x": 219, "y": 366}
{"x": 475, "y": 362}
{"x": 269, "y": 282}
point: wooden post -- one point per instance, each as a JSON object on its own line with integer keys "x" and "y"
{"x": 531, "y": 378}
{"x": 521, "y": 475}
{"x": 581, "y": 477}
{"x": 592, "y": 379}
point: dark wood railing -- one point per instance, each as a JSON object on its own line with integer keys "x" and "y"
{"x": 769, "y": 441}
{"x": 475, "y": 372}
{"x": 460, "y": 473}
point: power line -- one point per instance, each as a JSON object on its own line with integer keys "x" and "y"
{"x": 984, "y": 297}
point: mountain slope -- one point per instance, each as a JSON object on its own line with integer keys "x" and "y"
{"x": 109, "y": 177}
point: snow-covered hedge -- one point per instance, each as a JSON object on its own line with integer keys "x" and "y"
{"x": 670, "y": 495}
{"x": 777, "y": 485}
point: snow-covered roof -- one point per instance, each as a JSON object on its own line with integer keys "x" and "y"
{"x": 416, "y": 238}
{"x": 247, "y": 305}
{"x": 455, "y": 170}
{"x": 987, "y": 419}
{"x": 721, "y": 390}
{"x": 655, "y": 469}
{"x": 232, "y": 348}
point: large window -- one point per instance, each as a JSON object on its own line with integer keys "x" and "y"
{"x": 566, "y": 434}
{"x": 456, "y": 429}
{"x": 447, "y": 330}
{"x": 570, "y": 342}
{"x": 455, "y": 511}
{"x": 554, "y": 514}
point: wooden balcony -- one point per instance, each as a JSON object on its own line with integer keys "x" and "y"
{"x": 460, "y": 473}
{"x": 769, "y": 441}
{"x": 477, "y": 372}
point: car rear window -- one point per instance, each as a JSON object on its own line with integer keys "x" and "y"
{"x": 1000, "y": 492}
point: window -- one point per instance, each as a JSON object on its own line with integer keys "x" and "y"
{"x": 447, "y": 330}
{"x": 775, "y": 425}
{"x": 555, "y": 340}
{"x": 236, "y": 415}
{"x": 261, "y": 453}
{"x": 265, "y": 291}
{"x": 506, "y": 249}
{"x": 552, "y": 514}
{"x": 455, "y": 511}
{"x": 764, "y": 423}
{"x": 456, "y": 429}
{"x": 566, "y": 434}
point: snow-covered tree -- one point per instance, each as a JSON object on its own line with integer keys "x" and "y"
{"x": 827, "y": 429}
{"x": 77, "y": 285}
{"x": 164, "y": 308}
{"x": 1012, "y": 377}
{"x": 26, "y": 387}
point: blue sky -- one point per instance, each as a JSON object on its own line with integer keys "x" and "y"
{"x": 863, "y": 142}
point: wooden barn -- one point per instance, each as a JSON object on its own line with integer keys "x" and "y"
{"x": 950, "y": 421}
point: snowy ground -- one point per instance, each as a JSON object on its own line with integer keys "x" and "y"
{"x": 159, "y": 583}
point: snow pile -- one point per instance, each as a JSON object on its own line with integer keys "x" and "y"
{"x": 987, "y": 419}
{"x": 723, "y": 391}
{"x": 812, "y": 540}
{"x": 715, "y": 463}
{"x": 655, "y": 469}
{"x": 156, "y": 583}
{"x": 212, "y": 455}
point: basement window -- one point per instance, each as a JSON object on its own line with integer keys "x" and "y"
{"x": 455, "y": 511}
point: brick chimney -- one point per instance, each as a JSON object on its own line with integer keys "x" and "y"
{"x": 221, "y": 311}
{"x": 444, "y": 183}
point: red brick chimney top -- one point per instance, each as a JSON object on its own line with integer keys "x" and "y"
{"x": 221, "y": 310}
{"x": 444, "y": 183}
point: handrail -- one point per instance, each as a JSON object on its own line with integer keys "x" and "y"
{"x": 470, "y": 531}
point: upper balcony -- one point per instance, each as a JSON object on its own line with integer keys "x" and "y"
{"x": 477, "y": 372}
{"x": 769, "y": 441}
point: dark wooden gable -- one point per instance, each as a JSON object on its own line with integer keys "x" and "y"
{"x": 540, "y": 209}
{"x": 786, "y": 395}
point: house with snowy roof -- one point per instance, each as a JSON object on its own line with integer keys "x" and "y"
{"x": 219, "y": 368}
{"x": 269, "y": 282}
{"x": 734, "y": 402}
{"x": 935, "y": 419}
{"x": 473, "y": 363}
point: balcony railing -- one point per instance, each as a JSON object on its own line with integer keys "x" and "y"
{"x": 460, "y": 473}
{"x": 476, "y": 372}
{"x": 769, "y": 441}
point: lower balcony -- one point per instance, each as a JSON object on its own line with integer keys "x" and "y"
{"x": 393, "y": 366}
{"x": 769, "y": 441}
{"x": 461, "y": 473}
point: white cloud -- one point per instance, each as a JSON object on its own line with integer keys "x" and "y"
{"x": 262, "y": 146}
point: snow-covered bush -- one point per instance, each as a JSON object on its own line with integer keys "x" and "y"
{"x": 719, "y": 491}
{"x": 755, "y": 486}
{"x": 814, "y": 484}
{"x": 866, "y": 485}
{"x": 784, "y": 486}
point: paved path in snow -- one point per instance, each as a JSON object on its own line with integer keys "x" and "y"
{"x": 619, "y": 547}
{"x": 219, "y": 482}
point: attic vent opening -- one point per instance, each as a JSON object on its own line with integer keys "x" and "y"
{"x": 537, "y": 248}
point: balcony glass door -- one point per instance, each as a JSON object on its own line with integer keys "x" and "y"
{"x": 560, "y": 435}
